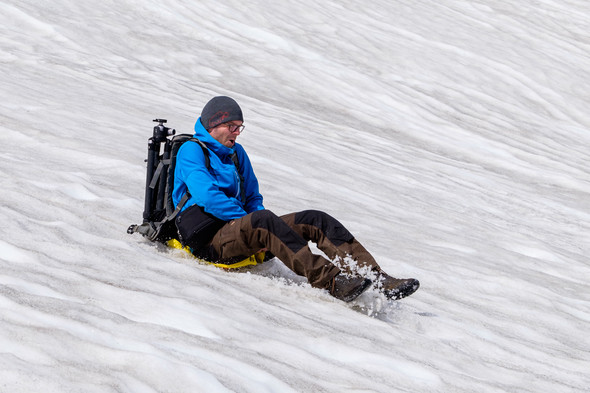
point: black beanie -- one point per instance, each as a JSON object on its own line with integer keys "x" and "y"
{"x": 220, "y": 110}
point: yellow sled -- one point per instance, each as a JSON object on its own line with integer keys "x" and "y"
{"x": 250, "y": 261}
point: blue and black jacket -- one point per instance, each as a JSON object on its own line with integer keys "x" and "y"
{"x": 216, "y": 190}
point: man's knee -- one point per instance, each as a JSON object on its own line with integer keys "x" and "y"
{"x": 263, "y": 219}
{"x": 326, "y": 224}
{"x": 312, "y": 216}
{"x": 266, "y": 222}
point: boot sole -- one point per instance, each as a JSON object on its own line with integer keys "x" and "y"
{"x": 405, "y": 291}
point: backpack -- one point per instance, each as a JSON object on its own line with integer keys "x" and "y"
{"x": 159, "y": 212}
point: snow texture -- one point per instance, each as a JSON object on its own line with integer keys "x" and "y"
{"x": 451, "y": 137}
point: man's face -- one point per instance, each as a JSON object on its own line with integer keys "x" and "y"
{"x": 227, "y": 133}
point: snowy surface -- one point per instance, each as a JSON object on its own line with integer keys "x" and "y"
{"x": 451, "y": 137}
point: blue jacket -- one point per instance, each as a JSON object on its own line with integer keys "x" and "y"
{"x": 216, "y": 191}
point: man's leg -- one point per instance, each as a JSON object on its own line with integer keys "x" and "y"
{"x": 264, "y": 230}
{"x": 338, "y": 243}
{"x": 330, "y": 236}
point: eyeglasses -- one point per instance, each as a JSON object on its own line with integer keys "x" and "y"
{"x": 233, "y": 128}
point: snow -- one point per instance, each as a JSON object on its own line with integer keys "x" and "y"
{"x": 451, "y": 137}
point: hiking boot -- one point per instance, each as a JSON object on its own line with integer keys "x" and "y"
{"x": 347, "y": 288}
{"x": 396, "y": 288}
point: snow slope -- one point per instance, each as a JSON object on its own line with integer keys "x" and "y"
{"x": 451, "y": 137}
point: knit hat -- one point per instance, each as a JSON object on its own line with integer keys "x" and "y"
{"x": 218, "y": 110}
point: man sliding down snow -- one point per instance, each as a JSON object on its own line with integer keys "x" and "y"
{"x": 224, "y": 219}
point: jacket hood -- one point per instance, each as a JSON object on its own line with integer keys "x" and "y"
{"x": 203, "y": 135}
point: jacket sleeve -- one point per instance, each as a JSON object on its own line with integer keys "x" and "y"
{"x": 253, "y": 196}
{"x": 203, "y": 186}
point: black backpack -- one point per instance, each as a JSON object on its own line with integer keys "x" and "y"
{"x": 159, "y": 211}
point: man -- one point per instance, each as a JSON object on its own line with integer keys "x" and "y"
{"x": 224, "y": 218}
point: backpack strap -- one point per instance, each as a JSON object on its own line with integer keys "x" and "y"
{"x": 151, "y": 229}
{"x": 236, "y": 161}
{"x": 161, "y": 165}
{"x": 205, "y": 151}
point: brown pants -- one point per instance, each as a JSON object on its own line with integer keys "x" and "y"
{"x": 287, "y": 238}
